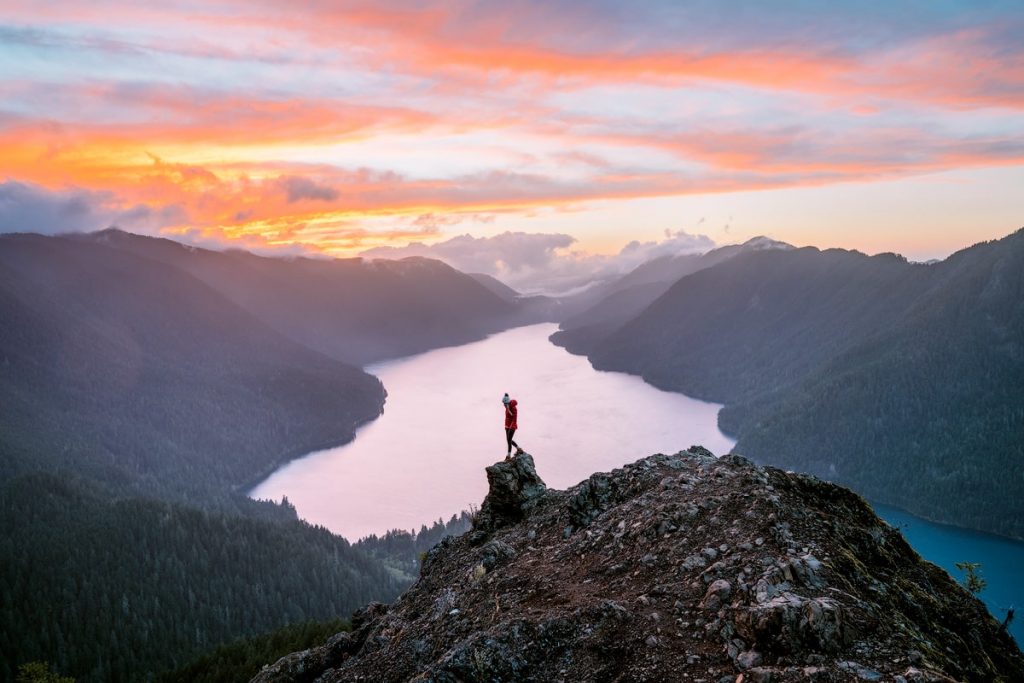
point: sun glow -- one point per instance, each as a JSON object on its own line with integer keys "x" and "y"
{"x": 337, "y": 128}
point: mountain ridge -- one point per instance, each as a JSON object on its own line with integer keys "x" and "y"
{"x": 597, "y": 313}
{"x": 675, "y": 566}
{"x": 908, "y": 364}
{"x": 124, "y": 346}
{"x": 355, "y": 310}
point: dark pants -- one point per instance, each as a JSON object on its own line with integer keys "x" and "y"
{"x": 508, "y": 437}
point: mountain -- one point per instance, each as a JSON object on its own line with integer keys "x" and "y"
{"x": 871, "y": 371}
{"x": 122, "y": 589}
{"x": 138, "y": 405}
{"x": 596, "y": 313}
{"x": 496, "y": 286}
{"x": 578, "y": 333}
{"x": 352, "y": 310}
{"x": 529, "y": 309}
{"x": 681, "y": 567}
{"x": 133, "y": 373}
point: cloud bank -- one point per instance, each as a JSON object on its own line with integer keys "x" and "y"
{"x": 30, "y": 208}
{"x": 543, "y": 262}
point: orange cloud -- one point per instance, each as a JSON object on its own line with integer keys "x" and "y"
{"x": 493, "y": 44}
{"x": 215, "y": 152}
{"x": 960, "y": 69}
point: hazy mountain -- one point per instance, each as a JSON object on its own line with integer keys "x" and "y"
{"x": 596, "y": 313}
{"x": 496, "y": 286}
{"x": 671, "y": 268}
{"x": 530, "y": 308}
{"x": 353, "y": 310}
{"x": 132, "y": 372}
{"x": 122, "y": 377}
{"x": 581, "y": 332}
{"x": 899, "y": 379}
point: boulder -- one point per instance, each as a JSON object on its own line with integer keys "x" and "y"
{"x": 513, "y": 489}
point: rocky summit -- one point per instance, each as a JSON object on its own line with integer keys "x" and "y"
{"x": 678, "y": 567}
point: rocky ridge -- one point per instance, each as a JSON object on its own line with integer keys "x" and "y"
{"x": 676, "y": 567}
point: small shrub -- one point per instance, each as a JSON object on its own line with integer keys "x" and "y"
{"x": 973, "y": 580}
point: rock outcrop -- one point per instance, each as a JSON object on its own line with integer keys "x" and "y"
{"x": 513, "y": 489}
{"x": 675, "y": 568}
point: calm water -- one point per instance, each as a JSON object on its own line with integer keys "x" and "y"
{"x": 443, "y": 423}
{"x": 1002, "y": 560}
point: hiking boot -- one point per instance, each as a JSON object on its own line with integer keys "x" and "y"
{"x": 519, "y": 451}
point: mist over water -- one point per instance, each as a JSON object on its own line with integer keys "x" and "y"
{"x": 444, "y": 422}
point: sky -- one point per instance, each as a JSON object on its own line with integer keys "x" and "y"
{"x": 578, "y": 130}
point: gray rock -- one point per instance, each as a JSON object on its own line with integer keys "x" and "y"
{"x": 758, "y": 674}
{"x": 514, "y": 489}
{"x": 307, "y": 664}
{"x": 702, "y": 453}
{"x": 716, "y": 595}
{"x": 495, "y": 554}
{"x": 592, "y": 497}
{"x": 541, "y": 607}
{"x": 693, "y": 562}
{"x": 866, "y": 674}
{"x": 748, "y": 660}
{"x": 821, "y": 622}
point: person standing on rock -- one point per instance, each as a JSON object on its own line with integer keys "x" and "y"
{"x": 511, "y": 424}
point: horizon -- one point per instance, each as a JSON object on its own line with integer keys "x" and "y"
{"x": 591, "y": 270}
{"x": 347, "y": 129}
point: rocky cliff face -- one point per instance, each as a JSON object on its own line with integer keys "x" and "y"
{"x": 677, "y": 567}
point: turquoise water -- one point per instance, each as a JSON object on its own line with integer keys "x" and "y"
{"x": 1002, "y": 560}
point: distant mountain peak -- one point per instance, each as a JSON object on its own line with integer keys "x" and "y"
{"x": 764, "y": 242}
{"x": 108, "y": 233}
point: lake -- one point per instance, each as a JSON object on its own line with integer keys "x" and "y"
{"x": 423, "y": 459}
{"x": 1002, "y": 560}
{"x": 443, "y": 422}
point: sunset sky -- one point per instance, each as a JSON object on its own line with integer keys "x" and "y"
{"x": 342, "y": 126}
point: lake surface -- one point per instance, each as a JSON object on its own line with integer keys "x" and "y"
{"x": 1002, "y": 560}
{"x": 443, "y": 423}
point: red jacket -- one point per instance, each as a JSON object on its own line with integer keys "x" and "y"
{"x": 511, "y": 413}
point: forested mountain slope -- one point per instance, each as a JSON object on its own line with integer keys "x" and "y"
{"x": 133, "y": 373}
{"x": 593, "y": 315}
{"x": 117, "y": 590}
{"x": 353, "y": 310}
{"x": 136, "y": 405}
{"x": 901, "y": 380}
